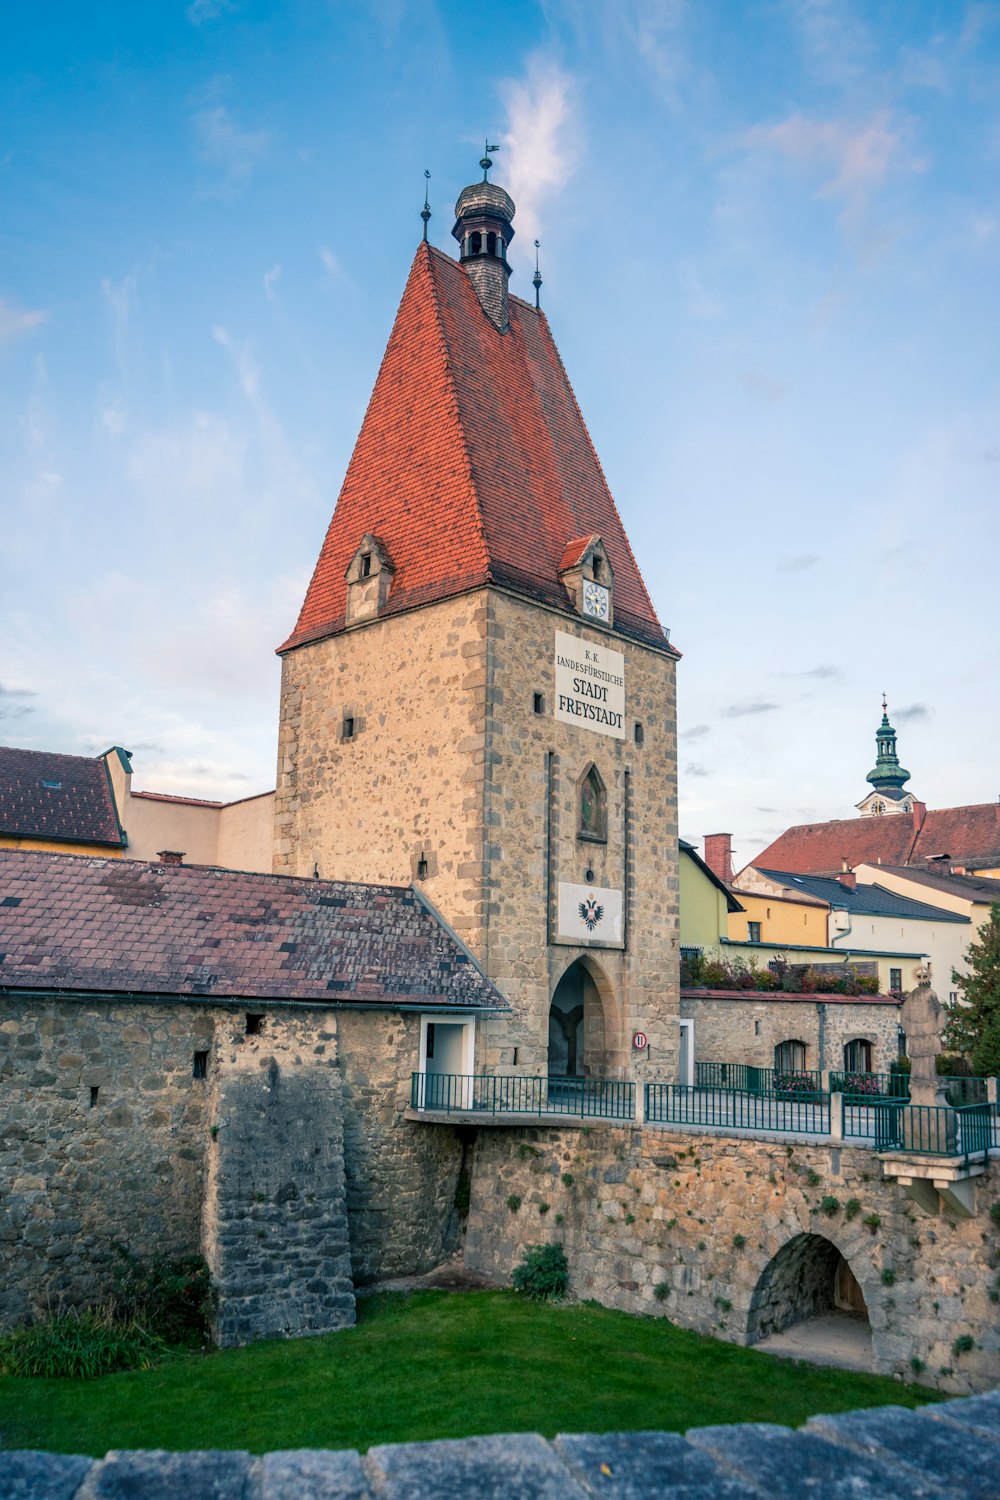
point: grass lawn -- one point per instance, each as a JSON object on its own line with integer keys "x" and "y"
{"x": 434, "y": 1365}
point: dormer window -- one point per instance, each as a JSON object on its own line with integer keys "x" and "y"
{"x": 369, "y": 579}
{"x": 589, "y": 579}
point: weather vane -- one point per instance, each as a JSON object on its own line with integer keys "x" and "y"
{"x": 425, "y": 212}
{"x": 536, "y": 280}
{"x": 484, "y": 160}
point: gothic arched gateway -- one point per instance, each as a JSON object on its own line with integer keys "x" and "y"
{"x": 581, "y": 1034}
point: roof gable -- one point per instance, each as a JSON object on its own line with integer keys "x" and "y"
{"x": 66, "y": 798}
{"x": 193, "y": 930}
{"x": 473, "y": 464}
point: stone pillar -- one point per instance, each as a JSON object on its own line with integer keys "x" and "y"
{"x": 836, "y": 1119}
{"x": 274, "y": 1226}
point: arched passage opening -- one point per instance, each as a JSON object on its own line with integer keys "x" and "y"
{"x": 580, "y": 1035}
{"x": 810, "y": 1287}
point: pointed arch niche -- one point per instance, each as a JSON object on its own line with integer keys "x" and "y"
{"x": 592, "y": 806}
{"x": 584, "y": 1027}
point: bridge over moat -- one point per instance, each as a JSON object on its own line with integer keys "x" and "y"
{"x": 744, "y": 1236}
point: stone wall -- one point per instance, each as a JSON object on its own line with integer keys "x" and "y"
{"x": 103, "y": 1140}
{"x": 745, "y": 1027}
{"x": 688, "y": 1224}
{"x": 275, "y": 1220}
{"x": 402, "y": 1177}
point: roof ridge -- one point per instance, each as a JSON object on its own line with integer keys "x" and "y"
{"x": 456, "y": 407}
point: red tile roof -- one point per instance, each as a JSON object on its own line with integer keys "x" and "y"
{"x": 69, "y": 923}
{"x": 968, "y": 835}
{"x": 66, "y": 798}
{"x": 473, "y": 464}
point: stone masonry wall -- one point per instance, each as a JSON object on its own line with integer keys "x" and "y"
{"x": 748, "y": 1028}
{"x": 401, "y": 1177}
{"x": 408, "y": 783}
{"x": 639, "y": 985}
{"x": 689, "y": 1224}
{"x": 275, "y": 1220}
{"x": 104, "y": 1127}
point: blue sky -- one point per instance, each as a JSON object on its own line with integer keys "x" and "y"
{"x": 769, "y": 235}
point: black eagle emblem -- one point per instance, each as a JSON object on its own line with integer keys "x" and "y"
{"x": 591, "y": 913}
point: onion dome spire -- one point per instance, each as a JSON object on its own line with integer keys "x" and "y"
{"x": 888, "y": 775}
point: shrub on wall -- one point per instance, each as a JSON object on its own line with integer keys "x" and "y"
{"x": 174, "y": 1299}
{"x": 543, "y": 1273}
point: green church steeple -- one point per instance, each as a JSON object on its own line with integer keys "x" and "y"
{"x": 888, "y": 776}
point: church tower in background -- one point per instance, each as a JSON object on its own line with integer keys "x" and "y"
{"x": 477, "y": 697}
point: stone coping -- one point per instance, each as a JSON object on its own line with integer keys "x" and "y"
{"x": 881, "y": 1453}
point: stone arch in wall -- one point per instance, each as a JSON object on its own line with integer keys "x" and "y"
{"x": 584, "y": 1031}
{"x": 807, "y": 1278}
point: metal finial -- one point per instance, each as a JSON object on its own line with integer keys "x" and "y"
{"x": 425, "y": 212}
{"x": 536, "y": 280}
{"x": 484, "y": 160}
{"x": 885, "y": 703}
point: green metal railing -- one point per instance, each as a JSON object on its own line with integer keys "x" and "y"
{"x": 963, "y": 1090}
{"x": 668, "y": 1103}
{"x": 862, "y": 1086}
{"x": 457, "y": 1093}
{"x": 789, "y": 1083}
{"x": 927, "y": 1129}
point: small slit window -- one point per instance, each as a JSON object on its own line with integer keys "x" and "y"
{"x": 348, "y": 726}
{"x": 255, "y": 1023}
{"x": 366, "y": 565}
{"x": 640, "y": 734}
{"x": 199, "y": 1065}
{"x": 422, "y": 871}
{"x": 538, "y": 702}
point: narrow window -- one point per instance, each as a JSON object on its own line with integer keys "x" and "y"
{"x": 422, "y": 867}
{"x": 593, "y": 807}
{"x": 598, "y": 568}
{"x": 538, "y": 701}
{"x": 366, "y": 565}
{"x": 896, "y": 979}
{"x": 348, "y": 726}
{"x": 640, "y": 734}
{"x": 858, "y": 1056}
{"x": 516, "y": 1054}
{"x": 789, "y": 1057}
{"x": 477, "y": 243}
{"x": 491, "y": 244}
{"x": 430, "y": 1039}
{"x": 199, "y": 1065}
{"x": 255, "y": 1024}
{"x": 753, "y": 932}
{"x": 94, "y": 1092}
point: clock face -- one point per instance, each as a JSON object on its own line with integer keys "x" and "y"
{"x": 595, "y": 601}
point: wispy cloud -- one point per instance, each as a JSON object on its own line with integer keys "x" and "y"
{"x": 797, "y": 564}
{"x": 854, "y": 161}
{"x": 16, "y": 321}
{"x": 12, "y": 704}
{"x": 696, "y": 732}
{"x": 200, "y": 11}
{"x": 331, "y": 265}
{"x": 694, "y": 769}
{"x": 910, "y": 712}
{"x": 541, "y": 140}
{"x": 750, "y": 706}
{"x": 824, "y": 672}
{"x": 121, "y": 298}
{"x": 227, "y": 148}
{"x": 656, "y": 30}
{"x": 271, "y": 279}
{"x": 762, "y": 385}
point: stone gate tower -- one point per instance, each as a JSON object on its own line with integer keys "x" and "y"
{"x": 478, "y": 696}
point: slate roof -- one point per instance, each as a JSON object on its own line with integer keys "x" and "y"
{"x": 473, "y": 464}
{"x": 968, "y": 835}
{"x": 866, "y": 900}
{"x": 972, "y": 887}
{"x": 60, "y": 797}
{"x": 76, "y": 923}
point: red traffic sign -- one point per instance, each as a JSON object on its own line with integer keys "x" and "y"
{"x": 640, "y": 1041}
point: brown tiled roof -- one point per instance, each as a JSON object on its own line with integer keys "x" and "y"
{"x": 967, "y": 835}
{"x": 72, "y": 923}
{"x": 61, "y": 797}
{"x": 473, "y": 464}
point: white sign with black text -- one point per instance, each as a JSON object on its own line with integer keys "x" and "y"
{"x": 590, "y": 686}
{"x": 590, "y": 913}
